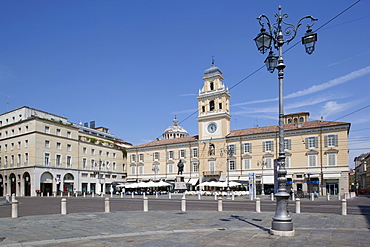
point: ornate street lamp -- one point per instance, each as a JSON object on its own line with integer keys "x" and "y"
{"x": 262, "y": 164}
{"x": 274, "y": 38}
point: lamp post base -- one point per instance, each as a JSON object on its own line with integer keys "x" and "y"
{"x": 282, "y": 233}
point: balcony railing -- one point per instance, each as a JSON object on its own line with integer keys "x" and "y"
{"x": 212, "y": 173}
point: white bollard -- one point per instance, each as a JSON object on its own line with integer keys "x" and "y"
{"x": 144, "y": 195}
{"x": 14, "y": 208}
{"x": 293, "y": 197}
{"x": 328, "y": 197}
{"x": 84, "y": 194}
{"x": 132, "y": 195}
{"x": 199, "y": 196}
{"x": 64, "y": 206}
{"x": 344, "y": 207}
{"x": 107, "y": 208}
{"x": 215, "y": 197}
{"x": 219, "y": 204}
{"x": 121, "y": 194}
{"x": 258, "y": 205}
{"x": 146, "y": 206}
{"x": 69, "y": 194}
{"x": 42, "y": 194}
{"x": 76, "y": 194}
{"x": 183, "y": 204}
{"x": 92, "y": 194}
{"x": 47, "y": 194}
{"x": 13, "y": 197}
{"x": 312, "y": 197}
{"x": 111, "y": 194}
{"x": 102, "y": 194}
{"x": 298, "y": 206}
{"x": 338, "y": 197}
{"x": 156, "y": 195}
{"x": 272, "y": 196}
{"x": 61, "y": 194}
{"x": 233, "y": 196}
{"x": 54, "y": 194}
{"x": 346, "y": 195}
{"x": 169, "y": 195}
{"x": 7, "y": 198}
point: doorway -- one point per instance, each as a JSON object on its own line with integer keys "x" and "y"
{"x": 332, "y": 188}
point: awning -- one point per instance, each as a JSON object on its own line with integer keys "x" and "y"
{"x": 268, "y": 179}
{"x": 332, "y": 176}
{"x": 241, "y": 178}
{"x": 193, "y": 181}
{"x": 170, "y": 178}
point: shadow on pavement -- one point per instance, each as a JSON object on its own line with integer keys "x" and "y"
{"x": 248, "y": 222}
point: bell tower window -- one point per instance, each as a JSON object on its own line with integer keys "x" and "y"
{"x": 211, "y": 85}
{"x": 212, "y": 105}
{"x": 220, "y": 106}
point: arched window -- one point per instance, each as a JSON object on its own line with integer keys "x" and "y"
{"x": 295, "y": 120}
{"x": 301, "y": 119}
{"x": 211, "y": 85}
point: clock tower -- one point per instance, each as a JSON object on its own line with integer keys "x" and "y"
{"x": 213, "y": 106}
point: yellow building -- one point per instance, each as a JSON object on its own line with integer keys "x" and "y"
{"x": 316, "y": 151}
{"x": 44, "y": 153}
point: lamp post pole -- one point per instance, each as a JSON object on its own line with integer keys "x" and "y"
{"x": 262, "y": 163}
{"x": 282, "y": 222}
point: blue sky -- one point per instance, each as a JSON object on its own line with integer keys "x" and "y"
{"x": 133, "y": 65}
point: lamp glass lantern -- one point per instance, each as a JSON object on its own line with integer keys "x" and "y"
{"x": 309, "y": 40}
{"x": 271, "y": 61}
{"x": 263, "y": 41}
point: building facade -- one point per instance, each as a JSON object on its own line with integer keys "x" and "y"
{"x": 42, "y": 153}
{"x": 362, "y": 173}
{"x": 316, "y": 151}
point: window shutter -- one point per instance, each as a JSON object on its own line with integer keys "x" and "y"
{"x": 272, "y": 145}
{"x": 290, "y": 144}
{"x": 263, "y": 146}
{"x": 306, "y": 142}
{"x": 326, "y": 141}
{"x": 250, "y": 147}
{"x": 316, "y": 142}
{"x": 335, "y": 140}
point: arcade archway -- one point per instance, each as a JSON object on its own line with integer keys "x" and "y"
{"x": 27, "y": 184}
{"x": 46, "y": 183}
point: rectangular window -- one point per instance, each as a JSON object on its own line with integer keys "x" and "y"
{"x": 268, "y": 146}
{"x": 92, "y": 164}
{"x": 156, "y": 156}
{"x": 141, "y": 170}
{"x": 212, "y": 167}
{"x": 195, "y": 153}
{"x": 287, "y": 144}
{"x": 133, "y": 170}
{"x": 107, "y": 154}
{"x": 332, "y": 159}
{"x": 47, "y": 129}
{"x": 19, "y": 160}
{"x": 69, "y": 147}
{"x": 170, "y": 168}
{"x": 195, "y": 167}
{"x": 182, "y": 153}
{"x": 114, "y": 155}
{"x": 114, "y": 166}
{"x": 26, "y": 143}
{"x": 58, "y": 160}
{"x": 12, "y": 146}
{"x": 19, "y": 145}
{"x": 6, "y": 162}
{"x": 58, "y": 132}
{"x": 6, "y": 147}
{"x": 312, "y": 159}
{"x": 247, "y": 164}
{"x": 133, "y": 157}
{"x": 84, "y": 163}
{"x": 268, "y": 162}
{"x": 107, "y": 165}
{"x": 47, "y": 144}
{"x": 47, "y": 159}
{"x": 311, "y": 142}
{"x": 331, "y": 140}
{"x": 170, "y": 155}
{"x": 26, "y": 159}
{"x": 247, "y": 148}
{"x": 92, "y": 151}
{"x": 287, "y": 161}
{"x": 69, "y": 134}
{"x": 69, "y": 161}
{"x": 141, "y": 157}
{"x": 12, "y": 160}
{"x": 232, "y": 165}
{"x": 232, "y": 149}
{"x": 84, "y": 150}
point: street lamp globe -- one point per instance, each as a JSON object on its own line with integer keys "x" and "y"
{"x": 309, "y": 40}
{"x": 271, "y": 61}
{"x": 263, "y": 41}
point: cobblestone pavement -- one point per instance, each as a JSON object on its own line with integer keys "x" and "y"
{"x": 163, "y": 227}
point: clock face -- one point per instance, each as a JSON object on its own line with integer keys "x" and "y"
{"x": 212, "y": 127}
